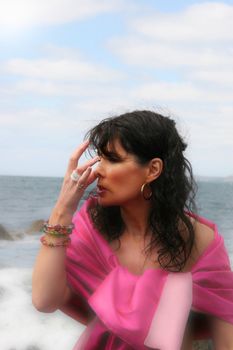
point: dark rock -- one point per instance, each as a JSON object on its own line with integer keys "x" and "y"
{"x": 4, "y": 234}
{"x": 36, "y": 226}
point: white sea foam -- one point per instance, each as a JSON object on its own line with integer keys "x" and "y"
{"x": 22, "y": 327}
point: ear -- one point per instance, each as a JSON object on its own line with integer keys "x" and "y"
{"x": 155, "y": 168}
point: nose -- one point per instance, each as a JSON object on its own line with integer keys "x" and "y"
{"x": 99, "y": 170}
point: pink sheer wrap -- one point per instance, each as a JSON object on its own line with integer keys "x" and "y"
{"x": 147, "y": 311}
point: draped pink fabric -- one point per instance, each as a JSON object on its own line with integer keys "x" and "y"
{"x": 147, "y": 311}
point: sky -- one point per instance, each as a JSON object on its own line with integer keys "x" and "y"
{"x": 67, "y": 64}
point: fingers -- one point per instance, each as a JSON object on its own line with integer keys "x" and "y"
{"x": 83, "y": 180}
{"x": 73, "y": 162}
{"x": 88, "y": 174}
{"x": 80, "y": 169}
{"x": 92, "y": 177}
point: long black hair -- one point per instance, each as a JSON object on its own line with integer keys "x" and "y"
{"x": 146, "y": 135}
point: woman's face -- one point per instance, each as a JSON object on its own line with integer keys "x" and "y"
{"x": 122, "y": 179}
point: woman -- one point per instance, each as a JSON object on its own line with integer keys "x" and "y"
{"x": 136, "y": 264}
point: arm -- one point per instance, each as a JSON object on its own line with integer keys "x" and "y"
{"x": 49, "y": 284}
{"x": 222, "y": 334}
{"x": 73, "y": 306}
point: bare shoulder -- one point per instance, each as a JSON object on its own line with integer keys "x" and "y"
{"x": 203, "y": 237}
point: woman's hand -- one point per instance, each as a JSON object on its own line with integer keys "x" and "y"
{"x": 72, "y": 191}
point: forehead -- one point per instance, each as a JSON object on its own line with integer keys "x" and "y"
{"x": 115, "y": 145}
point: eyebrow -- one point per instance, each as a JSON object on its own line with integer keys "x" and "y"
{"x": 109, "y": 153}
{"x": 112, "y": 154}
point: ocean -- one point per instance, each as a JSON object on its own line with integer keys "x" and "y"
{"x": 24, "y": 203}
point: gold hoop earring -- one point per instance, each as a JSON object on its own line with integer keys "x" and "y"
{"x": 142, "y": 192}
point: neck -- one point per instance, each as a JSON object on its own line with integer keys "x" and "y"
{"x": 135, "y": 216}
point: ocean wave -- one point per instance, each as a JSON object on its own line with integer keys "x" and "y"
{"x": 12, "y": 235}
{"x": 25, "y": 328}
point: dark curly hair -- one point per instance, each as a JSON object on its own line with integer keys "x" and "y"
{"x": 146, "y": 135}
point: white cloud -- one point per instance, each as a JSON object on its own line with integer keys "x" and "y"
{"x": 67, "y": 76}
{"x": 220, "y": 78}
{"x": 61, "y": 72}
{"x": 181, "y": 92}
{"x": 210, "y": 21}
{"x": 162, "y": 91}
{"x": 85, "y": 90}
{"x": 58, "y": 69}
{"x": 195, "y": 45}
{"x": 169, "y": 55}
{"x": 29, "y": 13}
{"x": 33, "y": 119}
{"x": 198, "y": 38}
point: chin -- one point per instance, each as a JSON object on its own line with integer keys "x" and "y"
{"x": 104, "y": 202}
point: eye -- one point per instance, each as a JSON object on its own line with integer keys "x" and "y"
{"x": 113, "y": 160}
{"x": 111, "y": 157}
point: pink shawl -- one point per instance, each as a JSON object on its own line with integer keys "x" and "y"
{"x": 148, "y": 311}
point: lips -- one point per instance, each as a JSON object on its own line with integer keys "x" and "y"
{"x": 101, "y": 188}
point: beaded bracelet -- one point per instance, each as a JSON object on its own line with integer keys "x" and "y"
{"x": 55, "y": 233}
{"x": 59, "y": 228}
{"x": 59, "y": 243}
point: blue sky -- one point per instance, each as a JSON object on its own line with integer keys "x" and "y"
{"x": 67, "y": 64}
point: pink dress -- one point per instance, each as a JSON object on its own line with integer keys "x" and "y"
{"x": 148, "y": 311}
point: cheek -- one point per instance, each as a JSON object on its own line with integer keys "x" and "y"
{"x": 129, "y": 177}
{"x": 117, "y": 175}
{"x": 115, "y": 172}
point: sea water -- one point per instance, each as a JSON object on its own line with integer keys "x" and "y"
{"x": 24, "y": 201}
